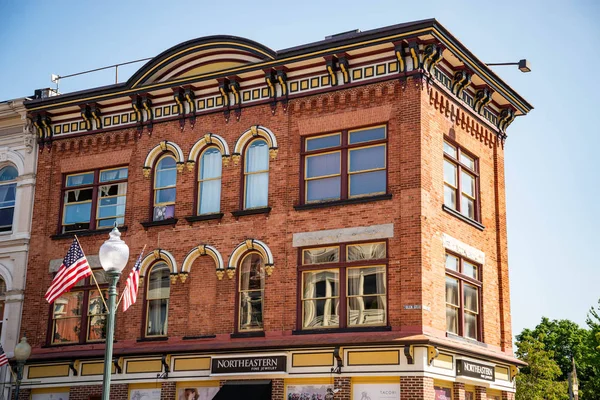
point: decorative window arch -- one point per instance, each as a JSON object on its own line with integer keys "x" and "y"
{"x": 204, "y": 142}
{"x": 254, "y": 132}
{"x": 248, "y": 245}
{"x": 8, "y": 191}
{"x": 160, "y": 254}
{"x": 163, "y": 147}
{"x": 202, "y": 250}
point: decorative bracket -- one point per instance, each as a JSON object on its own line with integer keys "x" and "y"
{"x": 400, "y": 56}
{"x": 179, "y": 99}
{"x": 344, "y": 66}
{"x": 234, "y": 88}
{"x": 74, "y": 367}
{"x": 96, "y": 114}
{"x": 332, "y": 68}
{"x": 507, "y": 116}
{"x": 165, "y": 361}
{"x": 337, "y": 354}
{"x": 282, "y": 79}
{"x": 482, "y": 99}
{"x": 118, "y": 364}
{"x": 136, "y": 104}
{"x": 230, "y": 272}
{"x": 460, "y": 81}
{"x": 173, "y": 279}
{"x": 513, "y": 372}
{"x": 147, "y": 105}
{"x": 86, "y": 114}
{"x": 432, "y": 354}
{"x": 190, "y": 97}
{"x": 224, "y": 90}
{"x": 413, "y": 49}
{"x": 183, "y": 276}
{"x": 41, "y": 122}
{"x": 432, "y": 56}
{"x": 271, "y": 80}
{"x": 409, "y": 353}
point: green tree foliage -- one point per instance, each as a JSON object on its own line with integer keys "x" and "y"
{"x": 590, "y": 389}
{"x": 539, "y": 380}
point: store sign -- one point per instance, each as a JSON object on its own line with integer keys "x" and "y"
{"x": 475, "y": 370}
{"x": 238, "y": 365}
{"x": 376, "y": 391}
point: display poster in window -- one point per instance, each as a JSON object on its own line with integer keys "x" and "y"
{"x": 144, "y": 394}
{"x": 51, "y": 396}
{"x": 307, "y": 392}
{"x": 197, "y": 393}
{"x": 442, "y": 393}
{"x": 376, "y": 391}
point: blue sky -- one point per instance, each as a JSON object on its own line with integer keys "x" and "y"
{"x": 552, "y": 170}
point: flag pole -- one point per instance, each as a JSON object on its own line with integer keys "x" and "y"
{"x": 93, "y": 276}
{"x": 123, "y": 292}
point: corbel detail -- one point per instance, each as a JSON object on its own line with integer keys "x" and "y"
{"x": 96, "y": 114}
{"x": 338, "y": 354}
{"x": 165, "y": 361}
{"x": 147, "y": 105}
{"x": 118, "y": 364}
{"x": 271, "y": 80}
{"x": 513, "y": 372}
{"x": 136, "y": 104}
{"x": 332, "y": 68}
{"x": 190, "y": 97}
{"x": 507, "y": 116}
{"x": 234, "y": 88}
{"x": 224, "y": 90}
{"x": 173, "y": 278}
{"x": 74, "y": 367}
{"x": 482, "y": 99}
{"x": 432, "y": 56}
{"x": 409, "y": 353}
{"x": 413, "y": 50}
{"x": 183, "y": 276}
{"x": 42, "y": 123}
{"x": 400, "y": 56}
{"x": 282, "y": 79}
{"x": 460, "y": 81}
{"x": 179, "y": 100}
{"x": 344, "y": 66}
{"x": 86, "y": 114}
{"x": 432, "y": 354}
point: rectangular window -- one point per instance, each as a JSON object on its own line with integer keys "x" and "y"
{"x": 346, "y": 164}
{"x": 461, "y": 181}
{"x": 70, "y": 324}
{"x": 343, "y": 286}
{"x": 463, "y": 294}
{"x": 94, "y": 200}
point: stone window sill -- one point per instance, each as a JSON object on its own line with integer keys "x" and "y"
{"x": 203, "y": 217}
{"x": 89, "y": 232}
{"x": 468, "y": 220}
{"x": 343, "y": 330}
{"x": 242, "y": 335}
{"x": 153, "y": 339}
{"x": 164, "y": 222}
{"x": 357, "y": 200}
{"x": 251, "y": 211}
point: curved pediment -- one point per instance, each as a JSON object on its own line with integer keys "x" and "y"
{"x": 199, "y": 57}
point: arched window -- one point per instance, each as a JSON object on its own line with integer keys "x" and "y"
{"x": 157, "y": 300}
{"x": 2, "y": 303}
{"x": 251, "y": 293}
{"x": 256, "y": 175}
{"x": 8, "y": 188}
{"x": 209, "y": 181}
{"x": 165, "y": 179}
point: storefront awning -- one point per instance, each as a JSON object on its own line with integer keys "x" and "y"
{"x": 259, "y": 390}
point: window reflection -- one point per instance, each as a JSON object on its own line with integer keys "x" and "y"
{"x": 252, "y": 285}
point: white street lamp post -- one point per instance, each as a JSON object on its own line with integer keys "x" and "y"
{"x": 22, "y": 353}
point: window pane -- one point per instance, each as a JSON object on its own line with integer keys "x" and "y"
{"x": 7, "y": 195}
{"x": 470, "y": 270}
{"x": 366, "y": 135}
{"x": 452, "y": 291}
{"x": 467, "y": 184}
{"x": 257, "y": 190}
{"x": 80, "y": 179}
{"x": 452, "y": 262}
{"x": 113, "y": 175}
{"x": 367, "y": 183}
{"x": 366, "y": 310}
{"x": 166, "y": 178}
{"x": 319, "y": 284}
{"x": 119, "y": 189}
{"x": 252, "y": 276}
{"x": 468, "y": 161}
{"x": 6, "y": 218}
{"x": 157, "y": 317}
{"x": 323, "y": 189}
{"x": 471, "y": 298}
{"x": 75, "y": 213}
{"x": 257, "y": 156}
{"x": 450, "y": 173}
{"x": 449, "y": 149}
{"x": 163, "y": 212}
{"x": 251, "y": 310}
{"x": 79, "y": 195}
{"x": 210, "y": 164}
{"x": 8, "y": 173}
{"x": 110, "y": 222}
{"x": 367, "y": 158}
{"x": 323, "y": 142}
{"x": 452, "y": 319}
{"x": 323, "y": 164}
{"x": 366, "y": 281}
{"x": 97, "y": 316}
{"x": 467, "y": 207}
{"x": 166, "y": 195}
{"x": 100, "y": 276}
{"x": 470, "y": 325}
{"x": 450, "y": 197}
{"x": 318, "y": 313}
{"x": 365, "y": 251}
{"x": 210, "y": 196}
{"x": 166, "y": 163}
{"x": 321, "y": 255}
{"x": 159, "y": 284}
{"x": 67, "y": 317}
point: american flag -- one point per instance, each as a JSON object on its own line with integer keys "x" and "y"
{"x": 74, "y": 268}
{"x": 133, "y": 282}
{"x": 3, "y": 358}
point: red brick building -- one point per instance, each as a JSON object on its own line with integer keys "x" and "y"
{"x": 329, "y": 216}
